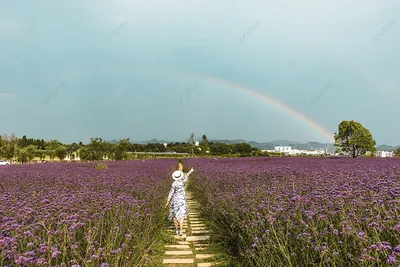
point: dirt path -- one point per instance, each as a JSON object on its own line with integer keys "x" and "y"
{"x": 193, "y": 247}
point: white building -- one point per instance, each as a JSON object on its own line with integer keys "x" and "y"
{"x": 287, "y": 150}
{"x": 282, "y": 149}
{"x": 385, "y": 154}
{"x": 197, "y": 143}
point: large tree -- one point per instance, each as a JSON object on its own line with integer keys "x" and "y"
{"x": 119, "y": 151}
{"x": 354, "y": 139}
{"x": 97, "y": 149}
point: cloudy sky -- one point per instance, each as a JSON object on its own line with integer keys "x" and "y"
{"x": 72, "y": 70}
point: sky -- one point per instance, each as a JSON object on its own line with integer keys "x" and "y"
{"x": 259, "y": 70}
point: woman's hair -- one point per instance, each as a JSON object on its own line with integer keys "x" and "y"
{"x": 179, "y": 163}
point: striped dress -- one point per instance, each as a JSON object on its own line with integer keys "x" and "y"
{"x": 177, "y": 196}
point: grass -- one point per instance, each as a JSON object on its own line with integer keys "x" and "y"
{"x": 155, "y": 254}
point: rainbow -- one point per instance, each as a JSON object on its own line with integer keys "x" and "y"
{"x": 328, "y": 135}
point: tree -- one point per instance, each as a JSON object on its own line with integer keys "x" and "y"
{"x": 23, "y": 142}
{"x": 220, "y": 149}
{"x": 42, "y": 145}
{"x": 8, "y": 151}
{"x": 84, "y": 154}
{"x": 61, "y": 152}
{"x": 2, "y": 146}
{"x": 204, "y": 144}
{"x": 191, "y": 142}
{"x": 71, "y": 150}
{"x": 97, "y": 149}
{"x": 22, "y": 155}
{"x": 30, "y": 152}
{"x": 243, "y": 149}
{"x": 51, "y": 147}
{"x": 354, "y": 139}
{"x": 120, "y": 150}
{"x": 41, "y": 154}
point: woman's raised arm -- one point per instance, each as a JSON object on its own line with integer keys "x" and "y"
{"x": 187, "y": 175}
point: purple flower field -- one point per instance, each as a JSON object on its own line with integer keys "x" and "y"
{"x": 303, "y": 211}
{"x": 72, "y": 214}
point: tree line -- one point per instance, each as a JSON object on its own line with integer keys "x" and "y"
{"x": 26, "y": 149}
{"x": 352, "y": 138}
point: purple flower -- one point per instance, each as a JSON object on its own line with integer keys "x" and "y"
{"x": 56, "y": 254}
{"x": 391, "y": 259}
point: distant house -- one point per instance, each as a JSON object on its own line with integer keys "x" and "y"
{"x": 282, "y": 149}
{"x": 385, "y": 154}
{"x": 287, "y": 150}
{"x": 197, "y": 143}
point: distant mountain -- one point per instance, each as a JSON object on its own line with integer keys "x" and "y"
{"x": 283, "y": 142}
{"x": 153, "y": 141}
{"x": 386, "y": 148}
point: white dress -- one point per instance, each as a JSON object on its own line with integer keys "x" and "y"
{"x": 177, "y": 196}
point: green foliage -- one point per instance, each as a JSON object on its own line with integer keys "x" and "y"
{"x": 397, "y": 152}
{"x": 41, "y": 154}
{"x": 25, "y": 142}
{"x": 204, "y": 145}
{"x": 51, "y": 148}
{"x": 153, "y": 147}
{"x": 84, "y": 154}
{"x": 31, "y": 152}
{"x": 96, "y": 150}
{"x": 99, "y": 149}
{"x": 72, "y": 150}
{"x": 191, "y": 143}
{"x": 61, "y": 152}
{"x": 120, "y": 150}
{"x": 7, "y": 148}
{"x": 22, "y": 155}
{"x": 220, "y": 149}
{"x": 354, "y": 139}
{"x": 243, "y": 149}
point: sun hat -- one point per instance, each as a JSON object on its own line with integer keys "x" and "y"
{"x": 177, "y": 175}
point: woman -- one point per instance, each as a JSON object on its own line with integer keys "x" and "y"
{"x": 178, "y": 210}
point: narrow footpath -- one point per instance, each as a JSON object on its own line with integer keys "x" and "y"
{"x": 192, "y": 247}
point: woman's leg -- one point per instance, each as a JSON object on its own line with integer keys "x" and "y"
{"x": 181, "y": 223}
{"x": 176, "y": 224}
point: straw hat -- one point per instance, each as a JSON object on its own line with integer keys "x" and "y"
{"x": 177, "y": 175}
